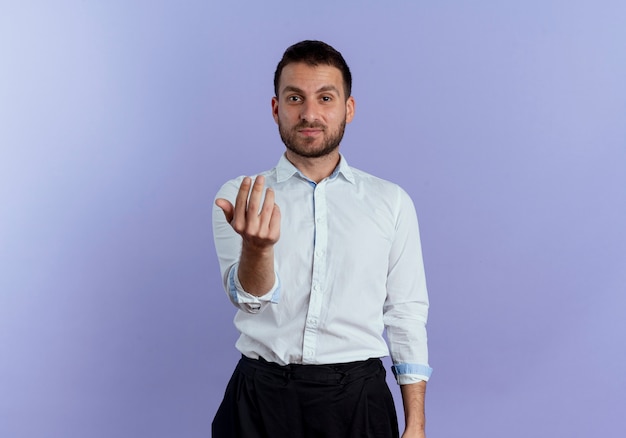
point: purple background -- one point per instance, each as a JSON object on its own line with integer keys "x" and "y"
{"x": 505, "y": 121}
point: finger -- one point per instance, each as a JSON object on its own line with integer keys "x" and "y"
{"x": 239, "y": 215}
{"x": 266, "y": 210}
{"x": 254, "y": 202}
{"x": 274, "y": 225}
{"x": 226, "y": 207}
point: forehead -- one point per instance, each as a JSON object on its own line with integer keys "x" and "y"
{"x": 310, "y": 78}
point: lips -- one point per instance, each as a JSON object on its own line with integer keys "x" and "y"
{"x": 310, "y": 131}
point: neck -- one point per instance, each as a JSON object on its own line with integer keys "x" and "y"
{"x": 316, "y": 169}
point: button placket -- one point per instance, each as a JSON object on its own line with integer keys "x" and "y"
{"x": 319, "y": 273}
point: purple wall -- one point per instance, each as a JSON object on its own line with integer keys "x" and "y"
{"x": 118, "y": 122}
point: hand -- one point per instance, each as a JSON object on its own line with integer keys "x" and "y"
{"x": 259, "y": 230}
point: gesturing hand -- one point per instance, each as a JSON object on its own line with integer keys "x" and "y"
{"x": 259, "y": 230}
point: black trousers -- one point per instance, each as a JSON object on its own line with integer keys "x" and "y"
{"x": 266, "y": 400}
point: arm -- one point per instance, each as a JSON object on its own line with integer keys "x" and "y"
{"x": 413, "y": 396}
{"x": 406, "y": 314}
{"x": 259, "y": 232}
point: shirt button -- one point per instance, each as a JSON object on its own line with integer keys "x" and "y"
{"x": 316, "y": 287}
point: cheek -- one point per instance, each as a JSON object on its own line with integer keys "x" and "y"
{"x": 337, "y": 116}
{"x": 286, "y": 114}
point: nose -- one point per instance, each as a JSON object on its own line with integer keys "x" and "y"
{"x": 309, "y": 111}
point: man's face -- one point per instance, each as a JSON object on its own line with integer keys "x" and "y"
{"x": 311, "y": 109}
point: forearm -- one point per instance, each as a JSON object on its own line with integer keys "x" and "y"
{"x": 256, "y": 270}
{"x": 413, "y": 398}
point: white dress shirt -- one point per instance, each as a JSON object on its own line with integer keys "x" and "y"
{"x": 348, "y": 265}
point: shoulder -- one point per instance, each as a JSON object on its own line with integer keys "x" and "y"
{"x": 368, "y": 181}
{"x": 387, "y": 195}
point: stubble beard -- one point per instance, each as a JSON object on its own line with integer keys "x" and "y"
{"x": 300, "y": 146}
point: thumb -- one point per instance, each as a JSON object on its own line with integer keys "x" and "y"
{"x": 226, "y": 207}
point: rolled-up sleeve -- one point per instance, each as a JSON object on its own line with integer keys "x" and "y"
{"x": 246, "y": 301}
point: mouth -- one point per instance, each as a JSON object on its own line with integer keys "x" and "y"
{"x": 310, "y": 132}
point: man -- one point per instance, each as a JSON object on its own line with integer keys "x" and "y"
{"x": 317, "y": 279}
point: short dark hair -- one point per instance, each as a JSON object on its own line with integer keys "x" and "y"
{"x": 314, "y": 53}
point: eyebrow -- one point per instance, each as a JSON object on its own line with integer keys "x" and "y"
{"x": 323, "y": 89}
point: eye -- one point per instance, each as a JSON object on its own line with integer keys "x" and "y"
{"x": 326, "y": 98}
{"x": 294, "y": 98}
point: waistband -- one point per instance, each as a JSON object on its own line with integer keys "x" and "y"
{"x": 329, "y": 373}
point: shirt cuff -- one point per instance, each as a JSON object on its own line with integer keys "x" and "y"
{"x": 244, "y": 299}
{"x": 407, "y": 373}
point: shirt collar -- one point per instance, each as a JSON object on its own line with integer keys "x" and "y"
{"x": 285, "y": 170}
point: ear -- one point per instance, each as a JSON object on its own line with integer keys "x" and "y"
{"x": 275, "y": 109}
{"x": 350, "y": 107}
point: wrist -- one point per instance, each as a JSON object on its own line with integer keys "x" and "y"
{"x": 254, "y": 250}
